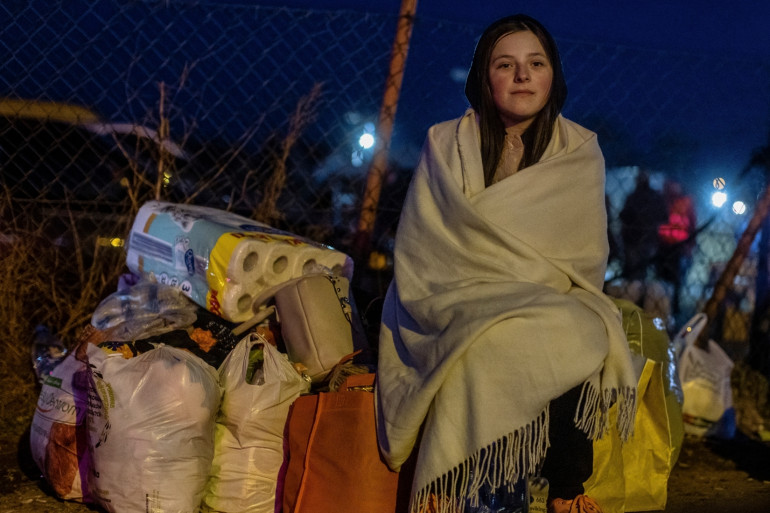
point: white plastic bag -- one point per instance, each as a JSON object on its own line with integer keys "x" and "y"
{"x": 151, "y": 429}
{"x": 705, "y": 376}
{"x": 249, "y": 433}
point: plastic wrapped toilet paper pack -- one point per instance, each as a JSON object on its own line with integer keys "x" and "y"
{"x": 221, "y": 260}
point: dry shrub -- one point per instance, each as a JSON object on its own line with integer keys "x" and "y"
{"x": 59, "y": 285}
{"x": 18, "y": 389}
{"x": 49, "y": 285}
{"x": 304, "y": 114}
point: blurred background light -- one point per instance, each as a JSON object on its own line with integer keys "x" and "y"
{"x": 366, "y": 140}
{"x": 718, "y": 199}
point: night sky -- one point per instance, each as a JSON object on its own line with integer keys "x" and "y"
{"x": 734, "y": 102}
{"x": 693, "y": 25}
{"x": 728, "y": 31}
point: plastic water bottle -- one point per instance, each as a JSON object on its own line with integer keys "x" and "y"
{"x": 47, "y": 352}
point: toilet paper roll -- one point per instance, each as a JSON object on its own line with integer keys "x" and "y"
{"x": 305, "y": 260}
{"x": 337, "y": 263}
{"x": 254, "y": 259}
{"x": 233, "y": 259}
{"x": 245, "y": 265}
{"x": 236, "y": 302}
{"x": 219, "y": 259}
{"x": 275, "y": 264}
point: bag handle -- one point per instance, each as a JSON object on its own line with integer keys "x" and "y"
{"x": 260, "y": 316}
{"x": 265, "y": 296}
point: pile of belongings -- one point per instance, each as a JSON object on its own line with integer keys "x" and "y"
{"x": 176, "y": 395}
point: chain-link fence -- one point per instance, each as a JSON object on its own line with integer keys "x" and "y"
{"x": 261, "y": 111}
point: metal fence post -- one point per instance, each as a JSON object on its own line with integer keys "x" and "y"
{"x": 378, "y": 167}
{"x": 727, "y": 277}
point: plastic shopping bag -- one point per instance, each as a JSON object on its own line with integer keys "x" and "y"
{"x": 249, "y": 431}
{"x": 57, "y": 434}
{"x": 705, "y": 375}
{"x": 142, "y": 310}
{"x": 633, "y": 476}
{"x": 151, "y": 429}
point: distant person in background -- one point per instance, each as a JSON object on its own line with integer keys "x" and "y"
{"x": 643, "y": 212}
{"x": 677, "y": 239}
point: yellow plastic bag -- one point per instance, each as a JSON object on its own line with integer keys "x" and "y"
{"x": 633, "y": 476}
{"x": 607, "y": 484}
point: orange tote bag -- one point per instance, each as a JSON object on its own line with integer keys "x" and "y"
{"x": 333, "y": 463}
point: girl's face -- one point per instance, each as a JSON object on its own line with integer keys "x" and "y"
{"x": 520, "y": 76}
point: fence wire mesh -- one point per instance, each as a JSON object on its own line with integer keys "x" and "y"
{"x": 260, "y": 110}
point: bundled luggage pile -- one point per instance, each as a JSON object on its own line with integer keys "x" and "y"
{"x": 177, "y": 395}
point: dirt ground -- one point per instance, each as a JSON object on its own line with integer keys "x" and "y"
{"x": 711, "y": 476}
{"x": 715, "y": 476}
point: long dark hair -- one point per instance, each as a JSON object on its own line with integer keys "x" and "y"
{"x": 479, "y": 94}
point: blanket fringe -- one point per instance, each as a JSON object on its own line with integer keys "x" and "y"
{"x": 502, "y": 463}
{"x": 592, "y": 416}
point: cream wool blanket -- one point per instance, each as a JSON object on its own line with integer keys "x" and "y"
{"x": 495, "y": 309}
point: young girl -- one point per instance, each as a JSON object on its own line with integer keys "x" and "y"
{"x": 497, "y": 341}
